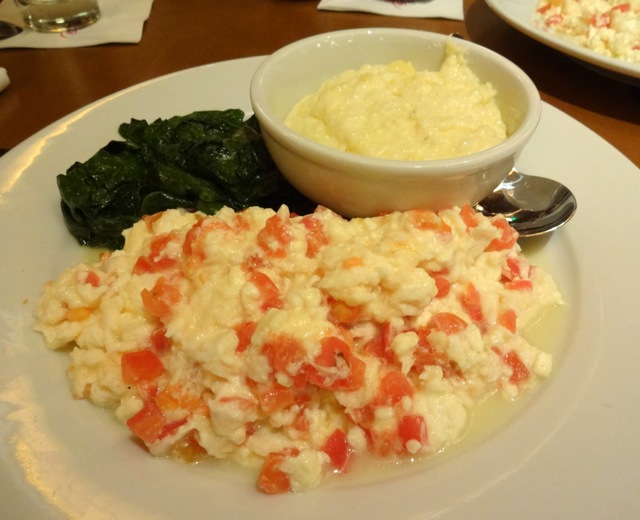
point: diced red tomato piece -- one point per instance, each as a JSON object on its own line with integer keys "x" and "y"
{"x": 149, "y": 423}
{"x": 512, "y": 269}
{"x": 338, "y": 449}
{"x": 332, "y": 349}
{"x": 355, "y": 379}
{"x": 92, "y": 279}
{"x": 342, "y": 314}
{"x": 507, "y": 238}
{"x": 174, "y": 396}
{"x": 412, "y": 428}
{"x": 143, "y": 265}
{"x": 190, "y": 246}
{"x": 274, "y": 237}
{"x": 472, "y": 304}
{"x": 393, "y": 387}
{"x": 515, "y": 274}
{"x": 78, "y": 314}
{"x": 158, "y": 245}
{"x": 520, "y": 372}
{"x": 160, "y": 300}
{"x": 150, "y": 220}
{"x": 600, "y": 20}
{"x": 316, "y": 237}
{"x": 193, "y": 243}
{"x": 388, "y": 333}
{"x": 508, "y": 320}
{"x": 240, "y": 223}
{"x": 301, "y": 424}
{"x": 188, "y": 449}
{"x": 159, "y": 341}
{"x": 244, "y": 331}
{"x": 554, "y": 19}
{"x": 254, "y": 262}
{"x": 443, "y": 286}
{"x": 441, "y": 272}
{"x": 250, "y": 428}
{"x": 284, "y": 354}
{"x": 140, "y": 366}
{"x": 544, "y": 8}
{"x": 469, "y": 216}
{"x": 269, "y": 291}
{"x": 156, "y": 261}
{"x": 363, "y": 417}
{"x": 353, "y": 261}
{"x": 426, "y": 355}
{"x": 515, "y": 268}
{"x": 622, "y": 8}
{"x": 448, "y": 323}
{"x": 380, "y": 345}
{"x": 272, "y": 479}
{"x": 275, "y": 398}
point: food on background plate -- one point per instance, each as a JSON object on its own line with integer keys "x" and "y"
{"x": 608, "y": 27}
{"x": 295, "y": 344}
{"x": 393, "y": 111}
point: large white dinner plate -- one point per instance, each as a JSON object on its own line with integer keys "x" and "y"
{"x": 519, "y": 14}
{"x": 571, "y": 452}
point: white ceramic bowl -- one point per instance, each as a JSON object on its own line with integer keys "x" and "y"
{"x": 355, "y": 185}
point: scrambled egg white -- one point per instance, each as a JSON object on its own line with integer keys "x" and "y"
{"x": 294, "y": 343}
{"x": 396, "y": 112}
{"x": 609, "y": 27}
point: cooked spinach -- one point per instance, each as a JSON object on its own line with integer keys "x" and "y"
{"x": 201, "y": 161}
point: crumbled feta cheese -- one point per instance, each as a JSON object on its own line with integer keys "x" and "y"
{"x": 294, "y": 342}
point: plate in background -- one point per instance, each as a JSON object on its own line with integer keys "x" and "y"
{"x": 520, "y": 13}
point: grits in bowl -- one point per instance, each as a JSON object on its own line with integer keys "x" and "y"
{"x": 296, "y": 344}
{"x": 397, "y": 112}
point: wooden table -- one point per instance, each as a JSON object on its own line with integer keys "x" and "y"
{"x": 48, "y": 84}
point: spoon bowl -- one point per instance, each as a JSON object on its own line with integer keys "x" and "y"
{"x": 532, "y": 205}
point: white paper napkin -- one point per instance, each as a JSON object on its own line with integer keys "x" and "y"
{"x": 121, "y": 21}
{"x": 452, "y": 9}
{"x": 4, "y": 79}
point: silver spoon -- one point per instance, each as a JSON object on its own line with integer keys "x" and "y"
{"x": 532, "y": 205}
{"x": 7, "y": 30}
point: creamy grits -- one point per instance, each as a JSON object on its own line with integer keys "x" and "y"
{"x": 608, "y": 27}
{"x": 296, "y": 344}
{"x": 396, "y": 112}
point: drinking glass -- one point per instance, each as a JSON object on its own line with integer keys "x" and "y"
{"x": 58, "y": 15}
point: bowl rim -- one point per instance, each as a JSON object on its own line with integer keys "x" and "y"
{"x": 324, "y": 154}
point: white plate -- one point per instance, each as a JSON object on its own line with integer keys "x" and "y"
{"x": 519, "y": 14}
{"x": 571, "y": 452}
